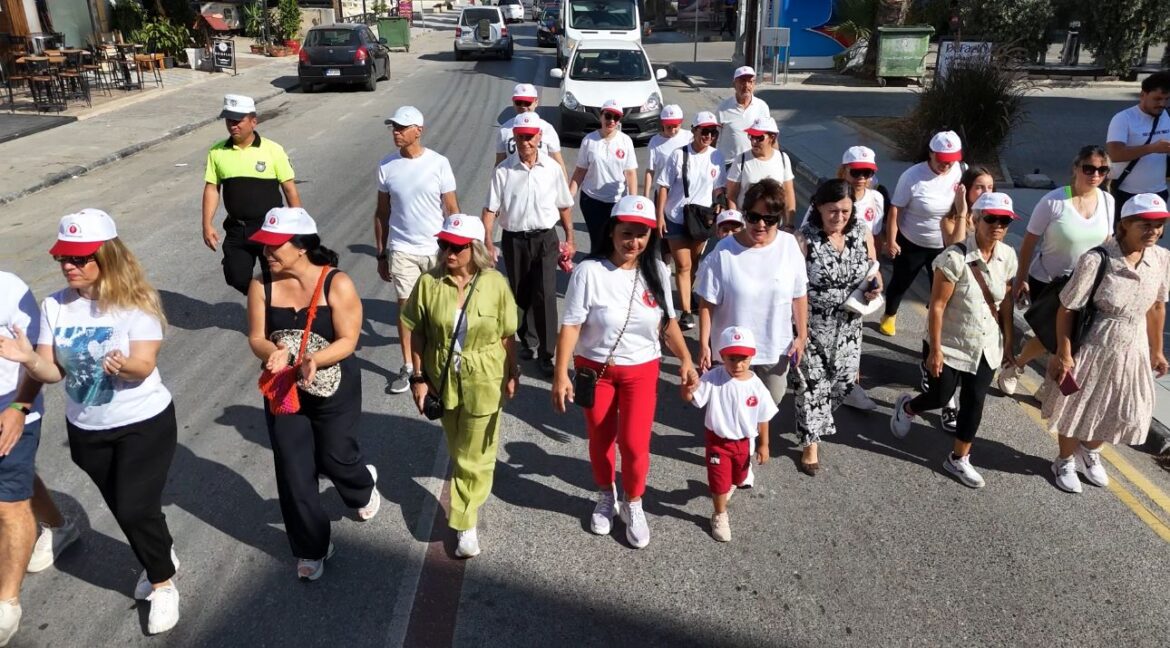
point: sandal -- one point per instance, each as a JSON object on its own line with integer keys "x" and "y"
{"x": 311, "y": 570}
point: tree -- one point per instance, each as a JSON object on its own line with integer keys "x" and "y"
{"x": 1117, "y": 32}
{"x": 1020, "y": 23}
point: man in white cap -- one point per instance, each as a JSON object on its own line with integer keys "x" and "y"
{"x": 1138, "y": 142}
{"x": 253, "y": 172}
{"x": 416, "y": 189}
{"x": 525, "y": 98}
{"x": 529, "y": 194}
{"x": 738, "y": 112}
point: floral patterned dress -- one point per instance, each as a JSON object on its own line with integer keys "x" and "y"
{"x": 833, "y": 355}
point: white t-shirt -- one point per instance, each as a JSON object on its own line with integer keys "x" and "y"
{"x": 706, "y": 174}
{"x": 18, "y": 308}
{"x": 871, "y": 210}
{"x": 598, "y": 299}
{"x": 81, "y": 337}
{"x": 923, "y": 198}
{"x": 606, "y": 161}
{"x": 415, "y": 186}
{"x": 550, "y": 142}
{"x": 1131, "y": 127}
{"x": 754, "y": 288}
{"x": 734, "y": 121}
{"x": 1064, "y": 234}
{"x": 750, "y": 170}
{"x": 735, "y": 408}
{"x": 661, "y": 148}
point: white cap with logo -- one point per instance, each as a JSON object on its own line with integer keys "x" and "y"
{"x": 704, "y": 118}
{"x": 635, "y": 209}
{"x": 737, "y": 340}
{"x": 763, "y": 125}
{"x": 742, "y": 71}
{"x": 1146, "y": 205}
{"x": 729, "y": 216}
{"x": 283, "y": 223}
{"x": 82, "y": 233}
{"x": 860, "y": 157}
{"x": 995, "y": 203}
{"x": 612, "y": 106}
{"x": 671, "y": 114}
{"x": 406, "y": 116}
{"x": 947, "y": 146}
{"x": 237, "y": 107}
{"x": 524, "y": 91}
{"x": 461, "y": 229}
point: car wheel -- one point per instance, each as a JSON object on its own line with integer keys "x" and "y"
{"x": 458, "y": 55}
{"x": 306, "y": 86}
{"x": 508, "y": 53}
{"x": 371, "y": 81}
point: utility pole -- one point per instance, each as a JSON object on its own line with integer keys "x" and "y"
{"x": 751, "y": 32}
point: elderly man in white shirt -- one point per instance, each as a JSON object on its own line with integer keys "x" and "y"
{"x": 529, "y": 194}
{"x": 525, "y": 98}
{"x": 737, "y": 113}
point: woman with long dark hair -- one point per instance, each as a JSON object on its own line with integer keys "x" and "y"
{"x": 957, "y": 223}
{"x": 618, "y": 311}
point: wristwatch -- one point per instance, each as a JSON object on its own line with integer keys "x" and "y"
{"x": 20, "y": 407}
{"x": 418, "y": 379}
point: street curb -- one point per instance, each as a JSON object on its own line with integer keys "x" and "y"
{"x": 80, "y": 170}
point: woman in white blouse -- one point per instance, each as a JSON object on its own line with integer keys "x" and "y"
{"x": 607, "y": 169}
{"x": 764, "y": 161}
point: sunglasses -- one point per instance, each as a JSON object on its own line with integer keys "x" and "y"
{"x": 708, "y": 131}
{"x": 757, "y": 138}
{"x": 861, "y": 173}
{"x": 75, "y": 261}
{"x": 608, "y": 116}
{"x": 1002, "y": 221}
{"x": 1089, "y": 169}
{"x": 453, "y": 248}
{"x": 522, "y": 104}
{"x": 770, "y": 220}
{"x": 400, "y": 127}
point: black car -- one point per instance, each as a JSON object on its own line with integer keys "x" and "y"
{"x": 343, "y": 54}
{"x": 546, "y": 26}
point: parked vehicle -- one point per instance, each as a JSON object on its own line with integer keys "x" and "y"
{"x": 590, "y": 19}
{"x": 342, "y": 54}
{"x": 600, "y": 70}
{"x": 532, "y": 9}
{"x": 513, "y": 10}
{"x": 547, "y": 27}
{"x": 482, "y": 30}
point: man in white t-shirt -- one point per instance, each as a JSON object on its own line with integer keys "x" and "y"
{"x": 1138, "y": 141}
{"x": 416, "y": 189}
{"x": 738, "y": 112}
{"x": 525, "y": 98}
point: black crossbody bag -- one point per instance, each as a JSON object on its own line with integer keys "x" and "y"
{"x": 585, "y": 379}
{"x": 433, "y": 403}
{"x": 699, "y": 220}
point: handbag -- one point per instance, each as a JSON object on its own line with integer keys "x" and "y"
{"x": 856, "y": 303}
{"x": 280, "y": 387}
{"x": 433, "y": 403}
{"x": 585, "y": 379}
{"x": 1041, "y": 316}
{"x": 699, "y": 220}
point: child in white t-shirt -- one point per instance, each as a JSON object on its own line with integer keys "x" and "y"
{"x": 738, "y": 408}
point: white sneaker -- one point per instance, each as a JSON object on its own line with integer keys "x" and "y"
{"x": 1008, "y": 379}
{"x": 468, "y": 546}
{"x": 367, "y": 512}
{"x": 601, "y": 522}
{"x": 164, "y": 610}
{"x": 10, "y": 613}
{"x": 859, "y": 400}
{"x": 1091, "y": 466}
{"x": 637, "y": 531}
{"x": 721, "y": 527}
{"x": 748, "y": 481}
{"x": 962, "y": 469}
{"x": 900, "y": 421}
{"x": 1065, "y": 471}
{"x": 50, "y": 543}
{"x": 311, "y": 570}
{"x": 143, "y": 589}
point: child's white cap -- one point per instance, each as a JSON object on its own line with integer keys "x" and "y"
{"x": 737, "y": 340}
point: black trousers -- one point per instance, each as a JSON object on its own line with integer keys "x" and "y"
{"x": 318, "y": 440}
{"x": 240, "y": 254}
{"x": 129, "y": 465}
{"x": 596, "y": 214}
{"x": 530, "y": 260}
{"x": 1119, "y": 198}
{"x": 974, "y": 392}
{"x": 728, "y": 20}
{"x": 907, "y": 265}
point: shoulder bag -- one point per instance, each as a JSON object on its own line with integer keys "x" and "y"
{"x": 433, "y": 403}
{"x": 1041, "y": 316}
{"x": 585, "y": 379}
{"x": 699, "y": 220}
{"x": 280, "y": 387}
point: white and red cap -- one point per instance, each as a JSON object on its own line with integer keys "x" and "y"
{"x": 612, "y": 106}
{"x": 406, "y": 116}
{"x": 283, "y": 223}
{"x": 859, "y": 157}
{"x": 947, "y": 146}
{"x": 996, "y": 204}
{"x": 737, "y": 340}
{"x": 635, "y": 209}
{"x": 1147, "y": 206}
{"x": 526, "y": 124}
{"x": 81, "y": 234}
{"x": 525, "y": 91}
{"x": 742, "y": 71}
{"x": 729, "y": 216}
{"x": 672, "y": 114}
{"x": 461, "y": 229}
{"x": 704, "y": 118}
{"x": 763, "y": 126}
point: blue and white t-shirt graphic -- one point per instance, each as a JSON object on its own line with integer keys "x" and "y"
{"x": 80, "y": 350}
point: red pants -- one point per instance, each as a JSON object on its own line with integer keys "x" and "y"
{"x": 622, "y": 412}
{"x": 727, "y": 462}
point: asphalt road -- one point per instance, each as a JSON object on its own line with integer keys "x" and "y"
{"x": 882, "y": 548}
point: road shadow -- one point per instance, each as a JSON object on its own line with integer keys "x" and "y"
{"x": 287, "y": 83}
{"x": 193, "y": 314}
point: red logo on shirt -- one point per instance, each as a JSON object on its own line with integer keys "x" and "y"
{"x": 620, "y": 154}
{"x": 73, "y": 229}
{"x": 752, "y": 401}
{"x": 648, "y": 299}
{"x": 869, "y": 214}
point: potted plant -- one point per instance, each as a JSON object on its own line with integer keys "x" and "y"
{"x": 288, "y": 23}
{"x": 164, "y": 37}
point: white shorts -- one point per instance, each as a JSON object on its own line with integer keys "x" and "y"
{"x": 405, "y": 269}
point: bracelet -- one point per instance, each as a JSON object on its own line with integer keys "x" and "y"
{"x": 20, "y": 407}
{"x": 418, "y": 379}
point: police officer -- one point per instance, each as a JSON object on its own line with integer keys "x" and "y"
{"x": 252, "y": 172}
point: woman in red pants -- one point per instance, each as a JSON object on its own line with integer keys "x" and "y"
{"x": 617, "y": 313}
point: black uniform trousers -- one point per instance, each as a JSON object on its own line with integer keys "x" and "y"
{"x": 530, "y": 261}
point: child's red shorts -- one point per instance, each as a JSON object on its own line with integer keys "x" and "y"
{"x": 727, "y": 462}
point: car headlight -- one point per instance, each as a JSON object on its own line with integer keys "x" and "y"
{"x": 570, "y": 101}
{"x": 653, "y": 102}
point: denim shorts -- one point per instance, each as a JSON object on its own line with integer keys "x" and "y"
{"x": 676, "y": 230}
{"x": 18, "y": 468}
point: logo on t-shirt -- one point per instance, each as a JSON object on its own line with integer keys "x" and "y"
{"x": 752, "y": 401}
{"x": 869, "y": 214}
{"x": 649, "y": 300}
{"x": 713, "y": 173}
{"x": 621, "y": 154}
{"x": 260, "y": 166}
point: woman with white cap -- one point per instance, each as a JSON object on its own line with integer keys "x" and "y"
{"x": 969, "y": 330}
{"x": 618, "y": 311}
{"x": 924, "y": 194}
{"x": 764, "y": 160}
{"x": 607, "y": 169}
{"x": 692, "y": 179}
{"x": 663, "y": 144}
{"x": 464, "y": 319}
{"x": 101, "y": 335}
{"x": 304, "y": 295}
{"x": 1103, "y": 392}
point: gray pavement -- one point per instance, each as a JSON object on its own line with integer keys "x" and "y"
{"x": 882, "y": 548}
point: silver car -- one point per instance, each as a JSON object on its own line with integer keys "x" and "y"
{"x": 482, "y": 30}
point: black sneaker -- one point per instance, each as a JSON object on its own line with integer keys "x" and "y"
{"x": 686, "y": 321}
{"x": 527, "y": 353}
{"x": 547, "y": 367}
{"x": 950, "y": 419}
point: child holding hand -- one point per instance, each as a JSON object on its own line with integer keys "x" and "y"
{"x": 738, "y": 408}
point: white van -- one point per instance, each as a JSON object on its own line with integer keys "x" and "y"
{"x": 597, "y": 19}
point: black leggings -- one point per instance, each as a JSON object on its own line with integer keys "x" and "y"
{"x": 909, "y": 262}
{"x": 596, "y": 215}
{"x": 129, "y": 465}
{"x": 971, "y": 397}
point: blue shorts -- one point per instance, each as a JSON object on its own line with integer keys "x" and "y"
{"x": 676, "y": 230}
{"x": 19, "y": 467}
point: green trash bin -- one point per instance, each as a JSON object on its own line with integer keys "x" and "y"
{"x": 902, "y": 52}
{"x": 396, "y": 31}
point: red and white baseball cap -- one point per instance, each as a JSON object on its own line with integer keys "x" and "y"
{"x": 763, "y": 126}
{"x": 729, "y": 216}
{"x": 996, "y": 204}
{"x": 81, "y": 234}
{"x": 742, "y": 71}
{"x": 1147, "y": 206}
{"x": 283, "y": 223}
{"x": 524, "y": 91}
{"x": 704, "y": 118}
{"x": 461, "y": 228}
{"x": 672, "y": 115}
{"x": 859, "y": 157}
{"x": 737, "y": 340}
{"x": 947, "y": 146}
{"x": 635, "y": 209}
{"x": 526, "y": 124}
{"x": 612, "y": 106}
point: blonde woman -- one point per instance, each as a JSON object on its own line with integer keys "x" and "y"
{"x": 101, "y": 336}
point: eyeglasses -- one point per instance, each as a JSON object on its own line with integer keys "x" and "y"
{"x": 523, "y": 137}
{"x": 608, "y": 116}
{"x": 757, "y": 138}
{"x": 1002, "y": 221}
{"x": 76, "y": 261}
{"x": 1089, "y": 169}
{"x": 861, "y": 173}
{"x": 710, "y": 132}
{"x": 522, "y": 104}
{"x": 453, "y": 248}
{"x": 771, "y": 220}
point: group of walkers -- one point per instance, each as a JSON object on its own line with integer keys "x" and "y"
{"x": 775, "y": 304}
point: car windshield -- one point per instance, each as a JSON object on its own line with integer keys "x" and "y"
{"x": 551, "y": 16}
{"x": 509, "y": 2}
{"x": 331, "y": 38}
{"x": 602, "y": 14}
{"x": 610, "y": 65}
{"x": 472, "y": 16}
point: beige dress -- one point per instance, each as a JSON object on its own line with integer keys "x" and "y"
{"x": 1116, "y": 399}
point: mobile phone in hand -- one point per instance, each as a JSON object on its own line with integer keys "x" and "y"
{"x": 1069, "y": 386}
